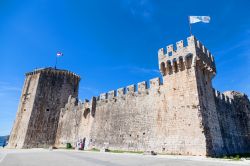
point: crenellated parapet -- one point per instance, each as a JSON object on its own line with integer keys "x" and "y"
{"x": 142, "y": 86}
{"x": 131, "y": 89}
{"x": 73, "y": 104}
{"x": 54, "y": 72}
{"x": 229, "y": 97}
{"x": 177, "y": 58}
{"x": 135, "y": 89}
{"x": 205, "y": 57}
{"x": 224, "y": 97}
{"x": 76, "y": 105}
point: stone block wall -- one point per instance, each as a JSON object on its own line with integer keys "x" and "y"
{"x": 39, "y": 113}
{"x": 75, "y": 122}
{"x": 233, "y": 109}
{"x": 20, "y": 126}
{"x": 163, "y": 118}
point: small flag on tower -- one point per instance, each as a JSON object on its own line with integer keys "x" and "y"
{"x": 58, "y": 54}
{"x": 195, "y": 19}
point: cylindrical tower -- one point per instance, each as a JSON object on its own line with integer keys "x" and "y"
{"x": 45, "y": 92}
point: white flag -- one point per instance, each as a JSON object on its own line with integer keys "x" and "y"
{"x": 58, "y": 54}
{"x": 195, "y": 19}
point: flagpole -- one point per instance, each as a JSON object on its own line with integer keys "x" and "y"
{"x": 190, "y": 29}
{"x": 56, "y": 62}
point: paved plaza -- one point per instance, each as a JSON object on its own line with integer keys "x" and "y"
{"x": 42, "y": 157}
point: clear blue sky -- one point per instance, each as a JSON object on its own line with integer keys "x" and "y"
{"x": 114, "y": 43}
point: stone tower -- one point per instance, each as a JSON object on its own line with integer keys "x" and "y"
{"x": 187, "y": 74}
{"x": 44, "y": 93}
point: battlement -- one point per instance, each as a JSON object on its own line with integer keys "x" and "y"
{"x": 130, "y": 88}
{"x": 181, "y": 57}
{"x": 121, "y": 91}
{"x": 138, "y": 88}
{"x": 111, "y": 94}
{"x": 74, "y": 104}
{"x": 142, "y": 86}
{"x": 223, "y": 97}
{"x": 54, "y": 71}
{"x": 154, "y": 83}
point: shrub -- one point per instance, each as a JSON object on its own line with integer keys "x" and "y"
{"x": 68, "y": 146}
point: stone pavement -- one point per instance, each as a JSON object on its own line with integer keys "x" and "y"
{"x": 42, "y": 157}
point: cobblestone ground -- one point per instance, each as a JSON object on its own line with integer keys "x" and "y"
{"x": 41, "y": 157}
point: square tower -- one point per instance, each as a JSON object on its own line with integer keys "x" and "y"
{"x": 187, "y": 74}
{"x": 45, "y": 92}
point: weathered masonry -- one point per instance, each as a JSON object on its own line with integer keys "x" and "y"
{"x": 182, "y": 114}
{"x": 44, "y": 93}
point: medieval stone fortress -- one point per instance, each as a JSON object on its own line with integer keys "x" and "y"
{"x": 180, "y": 113}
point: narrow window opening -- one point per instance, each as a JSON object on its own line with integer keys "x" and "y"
{"x": 163, "y": 69}
{"x": 47, "y": 109}
{"x": 24, "y": 110}
{"x": 175, "y": 66}
{"x": 86, "y": 112}
{"x": 143, "y": 133}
